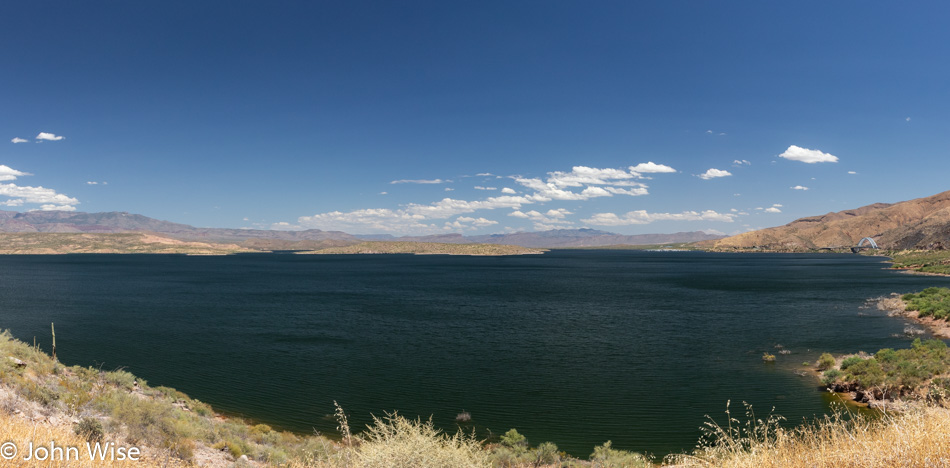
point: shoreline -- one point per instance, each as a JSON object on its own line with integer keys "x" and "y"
{"x": 895, "y": 307}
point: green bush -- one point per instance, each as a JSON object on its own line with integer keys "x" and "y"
{"x": 605, "y": 456}
{"x": 513, "y": 439}
{"x": 933, "y": 302}
{"x": 830, "y": 376}
{"x": 826, "y": 361}
{"x": 849, "y": 361}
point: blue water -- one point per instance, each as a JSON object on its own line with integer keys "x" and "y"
{"x": 574, "y": 347}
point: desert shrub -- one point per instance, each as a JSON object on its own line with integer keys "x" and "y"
{"x": 513, "y": 439}
{"x": 605, "y": 456}
{"x": 830, "y": 376}
{"x": 394, "y": 441}
{"x": 929, "y": 302}
{"x": 866, "y": 373}
{"x": 121, "y": 379}
{"x": 849, "y": 361}
{"x": 39, "y": 392}
{"x": 826, "y": 361}
{"x": 89, "y": 429}
{"x": 547, "y": 454}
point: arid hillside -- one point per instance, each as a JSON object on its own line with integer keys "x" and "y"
{"x": 923, "y": 223}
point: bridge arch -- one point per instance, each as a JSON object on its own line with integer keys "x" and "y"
{"x": 869, "y": 242}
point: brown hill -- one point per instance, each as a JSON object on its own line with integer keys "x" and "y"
{"x": 923, "y": 223}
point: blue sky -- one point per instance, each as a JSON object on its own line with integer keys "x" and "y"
{"x": 522, "y": 115}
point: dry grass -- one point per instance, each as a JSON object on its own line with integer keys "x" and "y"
{"x": 917, "y": 438}
{"x": 21, "y": 431}
{"x": 395, "y": 441}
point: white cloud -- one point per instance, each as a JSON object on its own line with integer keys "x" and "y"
{"x": 92, "y": 183}
{"x": 508, "y": 191}
{"x": 714, "y": 232}
{"x": 479, "y": 187}
{"x": 805, "y": 155}
{"x": 484, "y": 174}
{"x": 449, "y": 189}
{"x": 38, "y": 195}
{"x": 477, "y": 222}
{"x": 583, "y": 175}
{"x": 714, "y": 173}
{"x": 741, "y": 162}
{"x": 18, "y": 140}
{"x": 9, "y": 173}
{"x": 651, "y": 167}
{"x": 778, "y": 205}
{"x": 14, "y": 202}
{"x": 907, "y": 119}
{"x": 51, "y": 207}
{"x": 773, "y": 210}
{"x": 384, "y": 193}
{"x": 49, "y": 137}
{"x": 643, "y": 217}
{"x": 411, "y": 218}
{"x": 799, "y": 187}
{"x": 543, "y": 221}
{"x": 420, "y": 181}
{"x": 852, "y": 172}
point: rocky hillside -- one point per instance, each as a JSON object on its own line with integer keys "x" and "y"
{"x": 923, "y": 224}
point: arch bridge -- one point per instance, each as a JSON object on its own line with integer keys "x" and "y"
{"x": 866, "y": 243}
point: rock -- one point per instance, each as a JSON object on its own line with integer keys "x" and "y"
{"x": 243, "y": 459}
{"x": 17, "y": 362}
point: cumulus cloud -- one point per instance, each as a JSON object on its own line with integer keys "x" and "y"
{"x": 644, "y": 217}
{"x": 508, "y": 191}
{"x": 651, "y": 167}
{"x": 805, "y": 155}
{"x": 547, "y": 220}
{"x": 799, "y": 187}
{"x": 14, "y": 202}
{"x": 477, "y": 222}
{"x": 741, "y": 162}
{"x": 18, "y": 140}
{"x": 479, "y": 187}
{"x": 49, "y": 137}
{"x": 449, "y": 189}
{"x": 484, "y": 174}
{"x": 713, "y": 173}
{"x": 583, "y": 175}
{"x": 852, "y": 172}
{"x": 772, "y": 209}
{"x": 38, "y": 195}
{"x": 9, "y": 173}
{"x": 597, "y": 183}
{"x": 411, "y": 218}
{"x": 420, "y": 181}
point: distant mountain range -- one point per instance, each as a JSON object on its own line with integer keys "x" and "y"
{"x": 560, "y": 238}
{"x": 311, "y": 239}
{"x": 922, "y": 224}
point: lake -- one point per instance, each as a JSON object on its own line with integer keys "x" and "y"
{"x": 574, "y": 347}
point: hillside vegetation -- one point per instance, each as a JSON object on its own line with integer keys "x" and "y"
{"x": 42, "y": 400}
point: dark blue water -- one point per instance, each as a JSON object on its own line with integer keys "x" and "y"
{"x": 575, "y": 347}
